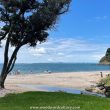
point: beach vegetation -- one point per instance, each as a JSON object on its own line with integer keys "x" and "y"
{"x": 104, "y": 86}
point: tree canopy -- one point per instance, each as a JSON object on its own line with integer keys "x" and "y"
{"x": 29, "y": 20}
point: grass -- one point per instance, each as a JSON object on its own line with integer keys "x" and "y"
{"x": 24, "y": 101}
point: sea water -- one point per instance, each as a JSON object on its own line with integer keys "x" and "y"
{"x": 59, "y": 67}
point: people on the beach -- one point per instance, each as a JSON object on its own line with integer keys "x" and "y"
{"x": 101, "y": 74}
{"x": 17, "y": 72}
{"x": 47, "y": 71}
{"x": 108, "y": 75}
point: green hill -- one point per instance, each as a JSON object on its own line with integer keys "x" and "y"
{"x": 106, "y": 58}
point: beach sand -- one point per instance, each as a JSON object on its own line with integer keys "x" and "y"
{"x": 77, "y": 80}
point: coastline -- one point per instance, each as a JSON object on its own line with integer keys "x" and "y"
{"x": 76, "y": 80}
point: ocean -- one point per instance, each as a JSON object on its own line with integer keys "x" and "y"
{"x": 58, "y": 67}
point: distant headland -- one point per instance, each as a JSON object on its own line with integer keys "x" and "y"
{"x": 106, "y": 59}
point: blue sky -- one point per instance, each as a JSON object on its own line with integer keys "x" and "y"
{"x": 81, "y": 35}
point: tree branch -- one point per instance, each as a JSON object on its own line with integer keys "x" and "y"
{"x": 6, "y": 54}
{"x": 12, "y": 65}
{"x": 12, "y": 59}
{"x": 1, "y": 38}
{"x": 66, "y": 10}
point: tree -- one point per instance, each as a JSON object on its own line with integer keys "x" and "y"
{"x": 26, "y": 22}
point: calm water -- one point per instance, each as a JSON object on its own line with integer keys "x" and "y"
{"x": 58, "y": 67}
{"x": 56, "y": 89}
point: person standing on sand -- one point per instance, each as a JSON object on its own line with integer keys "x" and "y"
{"x": 18, "y": 72}
{"x": 101, "y": 74}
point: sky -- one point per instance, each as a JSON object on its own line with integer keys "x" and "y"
{"x": 80, "y": 36}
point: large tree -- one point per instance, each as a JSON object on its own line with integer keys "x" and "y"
{"x": 26, "y": 22}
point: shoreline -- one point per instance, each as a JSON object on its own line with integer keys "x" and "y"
{"x": 26, "y": 73}
{"x": 76, "y": 80}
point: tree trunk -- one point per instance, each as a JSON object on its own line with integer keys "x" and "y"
{"x": 2, "y": 83}
{"x": 2, "y": 79}
{"x": 3, "y": 74}
{"x": 8, "y": 66}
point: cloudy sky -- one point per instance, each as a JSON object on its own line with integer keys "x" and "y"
{"x": 81, "y": 35}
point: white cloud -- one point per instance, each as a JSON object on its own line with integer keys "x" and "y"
{"x": 61, "y": 54}
{"x": 98, "y": 18}
{"x": 62, "y": 50}
{"x": 50, "y": 60}
{"x": 69, "y": 50}
{"x": 37, "y": 51}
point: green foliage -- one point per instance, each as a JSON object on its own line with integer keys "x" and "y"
{"x": 28, "y": 20}
{"x": 106, "y": 58}
{"x": 24, "y": 101}
{"x": 105, "y": 81}
{"x": 108, "y": 54}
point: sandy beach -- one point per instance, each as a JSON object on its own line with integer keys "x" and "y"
{"x": 77, "y": 80}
